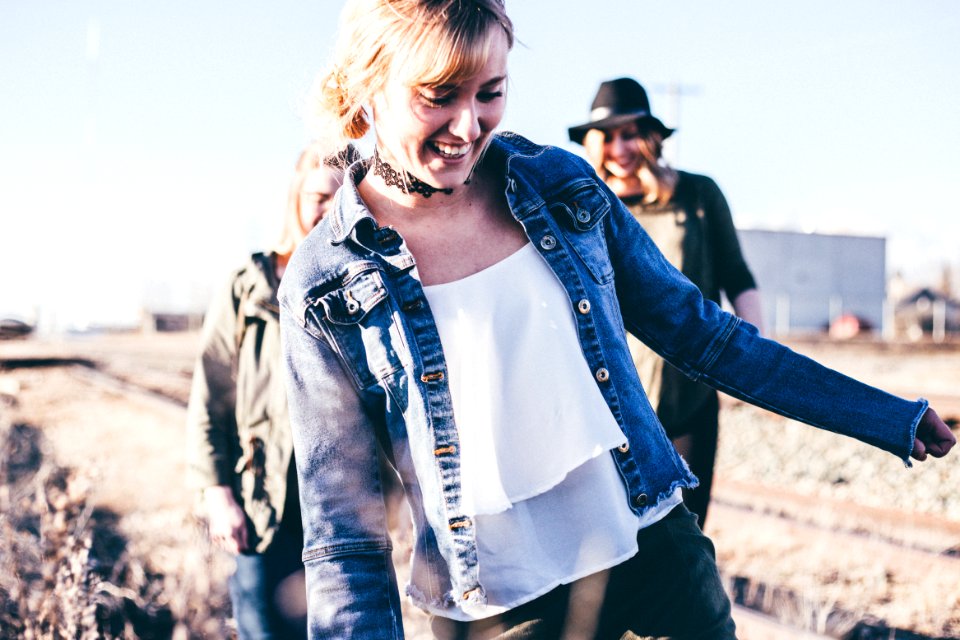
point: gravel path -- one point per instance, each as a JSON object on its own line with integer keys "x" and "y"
{"x": 757, "y": 446}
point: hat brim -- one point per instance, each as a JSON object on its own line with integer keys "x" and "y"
{"x": 578, "y": 132}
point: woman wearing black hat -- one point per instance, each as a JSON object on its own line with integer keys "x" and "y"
{"x": 689, "y": 220}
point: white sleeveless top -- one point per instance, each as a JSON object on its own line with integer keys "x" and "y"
{"x": 535, "y": 434}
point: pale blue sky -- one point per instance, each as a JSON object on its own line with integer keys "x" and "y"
{"x": 145, "y": 147}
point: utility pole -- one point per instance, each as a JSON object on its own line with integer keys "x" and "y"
{"x": 93, "y": 64}
{"x": 675, "y": 92}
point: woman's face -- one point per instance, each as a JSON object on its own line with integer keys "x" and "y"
{"x": 316, "y": 194}
{"x": 620, "y": 150}
{"x": 437, "y": 133}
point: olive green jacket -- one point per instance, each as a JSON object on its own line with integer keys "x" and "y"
{"x": 238, "y": 431}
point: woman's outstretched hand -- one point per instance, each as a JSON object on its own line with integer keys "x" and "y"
{"x": 933, "y": 437}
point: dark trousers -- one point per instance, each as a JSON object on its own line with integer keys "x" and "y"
{"x": 696, "y": 441}
{"x": 670, "y": 589}
{"x": 267, "y": 591}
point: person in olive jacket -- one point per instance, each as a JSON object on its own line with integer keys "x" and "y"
{"x": 240, "y": 450}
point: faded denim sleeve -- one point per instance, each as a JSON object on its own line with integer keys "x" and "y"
{"x": 668, "y": 313}
{"x": 351, "y": 585}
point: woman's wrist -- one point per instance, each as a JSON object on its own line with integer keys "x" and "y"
{"x": 218, "y": 496}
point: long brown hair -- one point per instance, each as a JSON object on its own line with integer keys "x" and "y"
{"x": 293, "y": 231}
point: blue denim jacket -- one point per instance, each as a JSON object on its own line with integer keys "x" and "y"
{"x": 365, "y": 366}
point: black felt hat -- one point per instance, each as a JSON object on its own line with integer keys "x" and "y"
{"x": 618, "y": 102}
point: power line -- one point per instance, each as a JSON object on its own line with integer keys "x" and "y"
{"x": 675, "y": 92}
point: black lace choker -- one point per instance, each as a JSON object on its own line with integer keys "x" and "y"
{"x": 406, "y": 182}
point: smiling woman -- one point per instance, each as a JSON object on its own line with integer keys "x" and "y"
{"x": 464, "y": 307}
{"x": 440, "y": 131}
{"x": 435, "y": 90}
{"x": 688, "y": 218}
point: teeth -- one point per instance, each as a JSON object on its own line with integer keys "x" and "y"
{"x": 454, "y": 151}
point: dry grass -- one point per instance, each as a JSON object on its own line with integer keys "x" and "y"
{"x": 69, "y": 570}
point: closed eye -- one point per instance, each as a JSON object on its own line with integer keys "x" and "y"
{"x": 489, "y": 96}
{"x": 436, "y": 99}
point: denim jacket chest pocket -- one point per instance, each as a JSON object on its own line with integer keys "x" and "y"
{"x": 581, "y": 212}
{"x": 359, "y": 318}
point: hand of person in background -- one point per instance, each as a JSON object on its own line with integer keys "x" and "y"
{"x": 933, "y": 437}
{"x": 228, "y": 526}
{"x": 747, "y": 307}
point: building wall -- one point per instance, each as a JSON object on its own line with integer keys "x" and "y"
{"x": 807, "y": 279}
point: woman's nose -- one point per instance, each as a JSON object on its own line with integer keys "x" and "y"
{"x": 466, "y": 123}
{"x": 615, "y": 147}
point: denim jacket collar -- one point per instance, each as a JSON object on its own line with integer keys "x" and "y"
{"x": 350, "y": 209}
{"x": 505, "y": 148}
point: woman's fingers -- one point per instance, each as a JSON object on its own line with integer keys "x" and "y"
{"x": 933, "y": 437}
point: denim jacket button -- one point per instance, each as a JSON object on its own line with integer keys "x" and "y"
{"x": 387, "y": 236}
{"x": 602, "y": 375}
{"x": 583, "y": 215}
{"x": 583, "y": 306}
{"x": 472, "y": 593}
{"x": 412, "y": 305}
{"x": 641, "y": 500}
{"x": 548, "y": 242}
{"x": 353, "y": 307}
{"x": 624, "y": 447}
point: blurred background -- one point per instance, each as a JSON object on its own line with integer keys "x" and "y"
{"x": 145, "y": 148}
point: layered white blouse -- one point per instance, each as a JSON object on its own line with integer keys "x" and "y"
{"x": 535, "y": 435}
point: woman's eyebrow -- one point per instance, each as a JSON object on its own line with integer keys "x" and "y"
{"x": 452, "y": 86}
{"x": 493, "y": 81}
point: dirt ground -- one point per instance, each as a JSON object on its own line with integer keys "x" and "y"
{"x": 822, "y": 533}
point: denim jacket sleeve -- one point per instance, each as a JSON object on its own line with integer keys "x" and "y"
{"x": 351, "y": 585}
{"x": 668, "y": 313}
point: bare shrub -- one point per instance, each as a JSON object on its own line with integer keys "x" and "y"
{"x": 70, "y": 571}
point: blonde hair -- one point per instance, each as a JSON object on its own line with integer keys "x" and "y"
{"x": 419, "y": 42}
{"x": 313, "y": 157}
{"x": 657, "y": 179}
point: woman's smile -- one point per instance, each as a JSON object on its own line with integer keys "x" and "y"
{"x": 450, "y": 151}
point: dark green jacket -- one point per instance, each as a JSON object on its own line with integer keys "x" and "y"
{"x": 238, "y": 431}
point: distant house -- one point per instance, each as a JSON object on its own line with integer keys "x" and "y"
{"x": 156, "y": 321}
{"x": 807, "y": 280}
{"x": 927, "y": 312}
{"x": 12, "y": 328}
